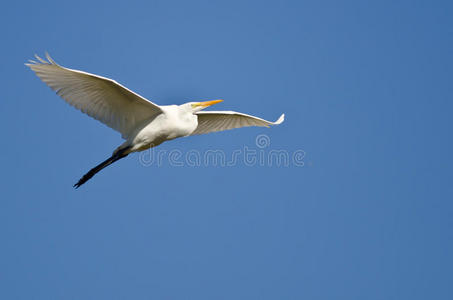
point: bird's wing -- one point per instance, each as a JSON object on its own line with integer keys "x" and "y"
{"x": 101, "y": 98}
{"x": 212, "y": 121}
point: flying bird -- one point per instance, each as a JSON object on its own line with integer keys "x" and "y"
{"x": 142, "y": 123}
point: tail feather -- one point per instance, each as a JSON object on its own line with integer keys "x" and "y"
{"x": 116, "y": 156}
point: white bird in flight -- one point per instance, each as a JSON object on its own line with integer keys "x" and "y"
{"x": 141, "y": 123}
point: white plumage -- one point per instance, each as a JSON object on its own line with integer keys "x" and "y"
{"x": 212, "y": 121}
{"x": 141, "y": 123}
{"x": 99, "y": 97}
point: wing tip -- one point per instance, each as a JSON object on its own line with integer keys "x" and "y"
{"x": 41, "y": 61}
{"x": 280, "y": 120}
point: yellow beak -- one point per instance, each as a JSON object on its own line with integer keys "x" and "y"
{"x": 208, "y": 103}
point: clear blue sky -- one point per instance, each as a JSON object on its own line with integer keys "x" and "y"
{"x": 367, "y": 92}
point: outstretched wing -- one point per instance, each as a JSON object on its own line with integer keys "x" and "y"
{"x": 212, "y": 121}
{"x": 99, "y": 97}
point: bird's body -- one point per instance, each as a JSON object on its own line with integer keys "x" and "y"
{"x": 141, "y": 123}
{"x": 172, "y": 123}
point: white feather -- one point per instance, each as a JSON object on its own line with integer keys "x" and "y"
{"x": 101, "y": 98}
{"x": 212, "y": 121}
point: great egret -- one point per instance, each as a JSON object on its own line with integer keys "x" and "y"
{"x": 141, "y": 123}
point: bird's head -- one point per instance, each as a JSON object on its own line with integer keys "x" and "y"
{"x": 197, "y": 106}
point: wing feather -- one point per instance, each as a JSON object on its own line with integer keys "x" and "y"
{"x": 212, "y": 121}
{"x": 101, "y": 98}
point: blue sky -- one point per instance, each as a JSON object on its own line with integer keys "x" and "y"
{"x": 367, "y": 92}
